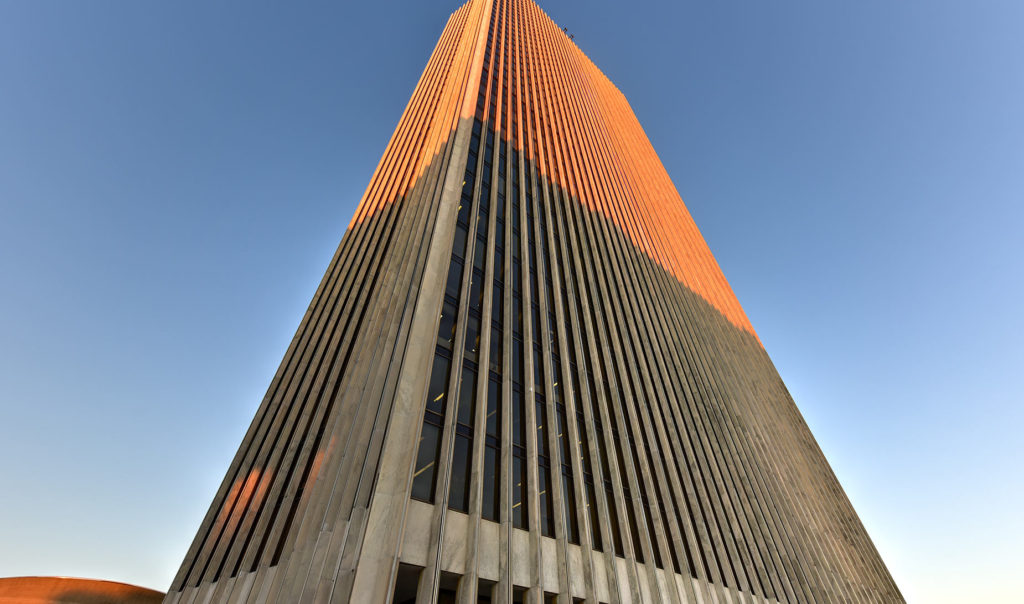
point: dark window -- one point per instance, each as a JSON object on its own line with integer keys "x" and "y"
{"x": 407, "y": 580}
{"x": 458, "y": 494}
{"x": 490, "y": 490}
{"x": 650, "y": 532}
{"x": 484, "y": 592}
{"x": 438, "y": 384}
{"x": 480, "y": 252}
{"x": 467, "y": 395}
{"x": 613, "y": 516}
{"x": 476, "y": 290}
{"x": 454, "y": 279}
{"x": 496, "y": 349}
{"x": 426, "y": 462}
{"x": 634, "y": 530}
{"x": 547, "y": 516}
{"x": 592, "y": 516}
{"x": 519, "y": 513}
{"x": 517, "y": 360}
{"x": 542, "y": 439}
{"x": 569, "y": 496}
{"x": 465, "y": 207}
{"x": 472, "y": 335}
{"x": 538, "y": 368}
{"x": 459, "y": 248}
{"x": 446, "y": 328}
{"x": 518, "y": 418}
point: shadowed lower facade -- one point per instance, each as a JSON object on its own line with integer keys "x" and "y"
{"x": 524, "y": 378}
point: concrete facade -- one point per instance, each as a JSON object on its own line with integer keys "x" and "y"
{"x": 524, "y": 378}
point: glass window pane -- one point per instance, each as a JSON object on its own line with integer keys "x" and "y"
{"x": 519, "y": 515}
{"x": 547, "y": 520}
{"x": 458, "y": 493}
{"x": 491, "y": 472}
{"x": 438, "y": 384}
{"x": 592, "y": 516}
{"x": 454, "y": 279}
{"x": 459, "y": 247}
{"x": 569, "y": 499}
{"x": 480, "y": 252}
{"x": 467, "y": 396}
{"x": 472, "y": 336}
{"x": 493, "y": 419}
{"x": 518, "y": 419}
{"x": 542, "y": 439}
{"x": 426, "y": 463}
{"x": 496, "y": 350}
{"x": 476, "y": 291}
{"x": 446, "y": 328}
{"x": 517, "y": 361}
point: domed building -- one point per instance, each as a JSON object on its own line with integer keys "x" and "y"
{"x": 70, "y": 590}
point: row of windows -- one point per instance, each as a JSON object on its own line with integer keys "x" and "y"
{"x": 451, "y": 587}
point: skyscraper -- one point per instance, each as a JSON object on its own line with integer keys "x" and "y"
{"x": 524, "y": 377}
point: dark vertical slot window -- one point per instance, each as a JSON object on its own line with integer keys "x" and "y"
{"x": 571, "y": 523}
{"x": 492, "y": 449}
{"x": 569, "y": 497}
{"x": 634, "y": 531}
{"x": 613, "y": 516}
{"x": 651, "y": 533}
{"x": 472, "y": 335}
{"x": 430, "y": 437}
{"x": 446, "y": 327}
{"x": 686, "y": 554}
{"x": 547, "y": 513}
{"x": 520, "y": 517}
{"x": 519, "y": 511}
{"x": 484, "y": 592}
{"x": 496, "y": 349}
{"x": 538, "y": 367}
{"x": 407, "y": 581}
{"x": 671, "y": 544}
{"x": 451, "y": 289}
{"x": 458, "y": 493}
{"x": 588, "y": 480}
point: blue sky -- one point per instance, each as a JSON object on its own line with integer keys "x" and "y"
{"x": 175, "y": 176}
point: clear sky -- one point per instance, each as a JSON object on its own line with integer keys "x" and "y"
{"x": 175, "y": 176}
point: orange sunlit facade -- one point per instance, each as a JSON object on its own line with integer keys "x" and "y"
{"x": 525, "y": 378}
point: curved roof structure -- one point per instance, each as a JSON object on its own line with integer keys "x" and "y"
{"x": 39, "y": 590}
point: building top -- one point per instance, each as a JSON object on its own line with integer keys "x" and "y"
{"x": 593, "y": 146}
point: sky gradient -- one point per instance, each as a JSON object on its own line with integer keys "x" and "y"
{"x": 174, "y": 178}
